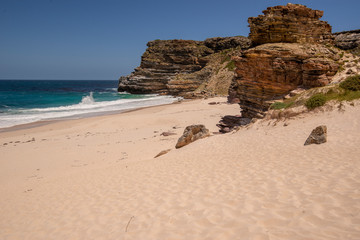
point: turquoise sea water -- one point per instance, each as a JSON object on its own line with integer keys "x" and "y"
{"x": 27, "y": 101}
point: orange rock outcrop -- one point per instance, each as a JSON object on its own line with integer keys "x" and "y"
{"x": 290, "y": 55}
{"x": 293, "y": 23}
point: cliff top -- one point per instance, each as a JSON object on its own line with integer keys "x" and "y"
{"x": 294, "y": 10}
{"x": 293, "y": 23}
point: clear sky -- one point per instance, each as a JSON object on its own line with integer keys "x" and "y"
{"x": 104, "y": 39}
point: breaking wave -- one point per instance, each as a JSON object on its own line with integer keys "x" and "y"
{"x": 88, "y": 106}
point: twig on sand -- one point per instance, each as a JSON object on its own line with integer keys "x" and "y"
{"x": 128, "y": 223}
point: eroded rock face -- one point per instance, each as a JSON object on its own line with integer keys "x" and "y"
{"x": 270, "y": 71}
{"x": 293, "y": 23}
{"x": 163, "y": 60}
{"x": 290, "y": 53}
{"x": 219, "y": 43}
{"x": 349, "y": 40}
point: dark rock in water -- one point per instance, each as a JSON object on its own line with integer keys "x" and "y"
{"x": 191, "y": 134}
{"x": 317, "y": 136}
{"x": 229, "y": 123}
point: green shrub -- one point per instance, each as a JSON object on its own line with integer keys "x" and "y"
{"x": 349, "y": 96}
{"x": 315, "y": 101}
{"x": 280, "y": 105}
{"x": 226, "y": 58}
{"x": 351, "y": 83}
{"x": 341, "y": 68}
{"x": 231, "y": 66}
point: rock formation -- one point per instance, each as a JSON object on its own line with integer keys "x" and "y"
{"x": 191, "y": 134}
{"x": 272, "y": 70}
{"x": 293, "y": 48}
{"x": 317, "y": 136}
{"x": 349, "y": 40}
{"x": 162, "y": 60}
{"x": 219, "y": 44}
{"x": 167, "y": 65}
{"x": 293, "y": 23}
{"x": 229, "y": 123}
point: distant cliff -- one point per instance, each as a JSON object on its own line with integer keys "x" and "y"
{"x": 174, "y": 66}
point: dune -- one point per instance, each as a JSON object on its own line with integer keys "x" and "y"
{"x": 97, "y": 178}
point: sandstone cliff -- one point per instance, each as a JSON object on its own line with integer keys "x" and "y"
{"x": 173, "y": 66}
{"x": 293, "y": 23}
{"x": 293, "y": 48}
{"x": 270, "y": 71}
{"x": 291, "y": 55}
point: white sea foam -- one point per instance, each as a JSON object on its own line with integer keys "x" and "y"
{"x": 87, "y": 106}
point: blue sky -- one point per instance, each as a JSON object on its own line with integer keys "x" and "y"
{"x": 104, "y": 39}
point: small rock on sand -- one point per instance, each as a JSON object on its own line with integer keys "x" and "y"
{"x": 317, "y": 136}
{"x": 162, "y": 153}
{"x": 166, "y": 134}
{"x": 191, "y": 134}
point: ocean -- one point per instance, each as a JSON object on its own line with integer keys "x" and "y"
{"x": 28, "y": 101}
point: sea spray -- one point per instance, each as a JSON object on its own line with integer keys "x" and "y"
{"x": 66, "y": 99}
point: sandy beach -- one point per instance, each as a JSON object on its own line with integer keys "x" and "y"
{"x": 97, "y": 178}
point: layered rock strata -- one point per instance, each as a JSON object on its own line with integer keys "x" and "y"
{"x": 293, "y": 23}
{"x": 219, "y": 43}
{"x": 228, "y": 123}
{"x": 291, "y": 55}
{"x": 348, "y": 40}
{"x": 271, "y": 71}
{"x": 214, "y": 79}
{"x": 167, "y": 65}
{"x": 162, "y": 60}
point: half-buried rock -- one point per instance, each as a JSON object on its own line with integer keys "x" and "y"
{"x": 162, "y": 153}
{"x": 317, "y": 136}
{"x": 191, "y": 134}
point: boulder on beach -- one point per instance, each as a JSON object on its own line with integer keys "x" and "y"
{"x": 317, "y": 136}
{"x": 191, "y": 134}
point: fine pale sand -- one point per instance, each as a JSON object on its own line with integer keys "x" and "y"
{"x": 97, "y": 178}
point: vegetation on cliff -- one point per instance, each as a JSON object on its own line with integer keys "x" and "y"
{"x": 215, "y": 78}
{"x": 288, "y": 47}
{"x": 184, "y": 67}
{"x": 295, "y": 49}
{"x": 308, "y": 100}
